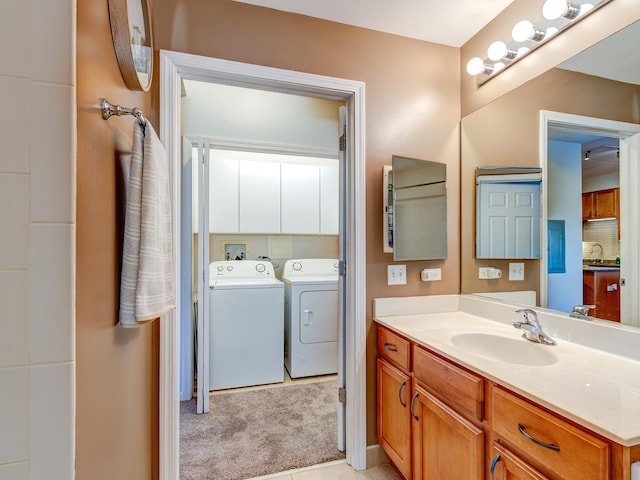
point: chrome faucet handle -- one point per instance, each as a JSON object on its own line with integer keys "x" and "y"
{"x": 530, "y": 316}
{"x": 582, "y": 309}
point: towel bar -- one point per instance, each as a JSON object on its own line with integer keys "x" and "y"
{"x": 108, "y": 109}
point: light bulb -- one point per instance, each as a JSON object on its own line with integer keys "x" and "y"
{"x": 498, "y": 66}
{"x": 522, "y": 31}
{"x": 522, "y": 51}
{"x": 497, "y": 50}
{"x": 551, "y": 31}
{"x": 585, "y": 7}
{"x": 475, "y": 66}
{"x": 553, "y": 9}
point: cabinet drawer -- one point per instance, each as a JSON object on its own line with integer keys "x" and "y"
{"x": 462, "y": 390}
{"x": 569, "y": 452}
{"x": 394, "y": 348}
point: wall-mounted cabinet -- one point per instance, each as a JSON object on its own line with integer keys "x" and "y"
{"x": 256, "y": 197}
{"x": 601, "y": 204}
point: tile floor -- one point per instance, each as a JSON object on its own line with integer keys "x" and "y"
{"x": 335, "y": 471}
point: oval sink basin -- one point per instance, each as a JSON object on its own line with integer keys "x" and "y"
{"x": 505, "y": 349}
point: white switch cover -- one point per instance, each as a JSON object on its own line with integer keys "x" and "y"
{"x": 396, "y": 274}
{"x": 516, "y": 271}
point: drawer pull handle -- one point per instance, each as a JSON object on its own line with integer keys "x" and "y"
{"x": 494, "y": 462}
{"x": 402, "y": 385}
{"x": 550, "y": 446}
{"x": 413, "y": 400}
{"x": 390, "y": 347}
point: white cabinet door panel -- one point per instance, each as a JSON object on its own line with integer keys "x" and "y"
{"x": 300, "y": 198}
{"x": 259, "y": 197}
{"x": 329, "y": 199}
{"x": 223, "y": 195}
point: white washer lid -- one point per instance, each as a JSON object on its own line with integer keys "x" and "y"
{"x": 237, "y": 283}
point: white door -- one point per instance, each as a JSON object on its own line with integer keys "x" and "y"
{"x": 202, "y": 392}
{"x": 342, "y": 251}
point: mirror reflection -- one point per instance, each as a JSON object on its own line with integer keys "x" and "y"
{"x": 419, "y": 209}
{"x": 587, "y": 230}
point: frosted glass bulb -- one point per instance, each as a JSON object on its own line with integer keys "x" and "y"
{"x": 522, "y": 51}
{"x": 475, "y": 66}
{"x": 498, "y": 66}
{"x": 522, "y": 31}
{"x": 553, "y": 9}
{"x": 585, "y": 7}
{"x": 551, "y": 31}
{"x": 497, "y": 50}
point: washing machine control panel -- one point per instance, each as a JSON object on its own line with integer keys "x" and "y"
{"x": 241, "y": 269}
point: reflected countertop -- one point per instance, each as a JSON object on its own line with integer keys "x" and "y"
{"x": 597, "y": 388}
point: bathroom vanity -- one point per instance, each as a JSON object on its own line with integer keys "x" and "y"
{"x": 461, "y": 395}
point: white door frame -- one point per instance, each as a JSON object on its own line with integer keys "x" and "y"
{"x": 629, "y": 136}
{"x": 175, "y": 66}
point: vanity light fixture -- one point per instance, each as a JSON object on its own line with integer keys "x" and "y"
{"x": 526, "y": 36}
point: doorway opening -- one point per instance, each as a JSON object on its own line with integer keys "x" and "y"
{"x": 175, "y": 67}
{"x": 575, "y": 249}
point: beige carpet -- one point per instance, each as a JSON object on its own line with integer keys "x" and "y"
{"x": 253, "y": 433}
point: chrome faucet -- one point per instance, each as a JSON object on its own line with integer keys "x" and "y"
{"x": 601, "y": 260}
{"x": 581, "y": 312}
{"x": 532, "y": 329}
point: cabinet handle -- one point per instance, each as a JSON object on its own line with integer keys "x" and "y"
{"x": 494, "y": 462}
{"x": 413, "y": 400}
{"x": 402, "y": 385}
{"x": 550, "y": 446}
{"x": 390, "y": 347}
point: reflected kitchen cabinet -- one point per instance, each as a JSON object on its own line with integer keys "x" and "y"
{"x": 601, "y": 204}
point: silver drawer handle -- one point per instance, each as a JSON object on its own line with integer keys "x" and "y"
{"x": 402, "y": 385}
{"x": 390, "y": 347}
{"x": 494, "y": 462}
{"x": 413, "y": 400}
{"x": 550, "y": 446}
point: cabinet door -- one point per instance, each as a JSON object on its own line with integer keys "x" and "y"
{"x": 588, "y": 210}
{"x": 606, "y": 203}
{"x": 223, "y": 195}
{"x": 300, "y": 198}
{"x": 506, "y": 465}
{"x": 329, "y": 199}
{"x": 445, "y": 445}
{"x": 259, "y": 197}
{"x": 394, "y": 420}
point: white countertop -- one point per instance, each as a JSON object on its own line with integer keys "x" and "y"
{"x": 594, "y": 387}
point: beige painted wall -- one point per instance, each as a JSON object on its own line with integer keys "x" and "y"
{"x": 506, "y": 133}
{"x": 117, "y": 369}
{"x": 412, "y": 109}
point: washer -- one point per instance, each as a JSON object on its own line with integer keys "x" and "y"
{"x": 311, "y": 316}
{"x": 247, "y": 324}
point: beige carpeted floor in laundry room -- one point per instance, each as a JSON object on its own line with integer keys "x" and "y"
{"x": 256, "y": 432}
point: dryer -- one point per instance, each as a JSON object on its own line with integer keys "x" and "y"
{"x": 246, "y": 331}
{"x": 311, "y": 316}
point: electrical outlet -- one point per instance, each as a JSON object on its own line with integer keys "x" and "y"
{"x": 516, "y": 271}
{"x": 431, "y": 274}
{"x": 396, "y": 274}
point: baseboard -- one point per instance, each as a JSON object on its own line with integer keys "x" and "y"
{"x": 376, "y": 456}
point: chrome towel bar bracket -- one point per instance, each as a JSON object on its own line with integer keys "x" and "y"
{"x": 108, "y": 110}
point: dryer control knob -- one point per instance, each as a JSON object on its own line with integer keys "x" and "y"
{"x": 261, "y": 267}
{"x": 297, "y": 266}
{"x": 220, "y": 268}
{"x": 229, "y": 268}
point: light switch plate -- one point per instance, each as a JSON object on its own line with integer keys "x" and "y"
{"x": 516, "y": 271}
{"x": 396, "y": 274}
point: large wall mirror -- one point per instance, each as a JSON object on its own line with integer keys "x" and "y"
{"x": 585, "y": 168}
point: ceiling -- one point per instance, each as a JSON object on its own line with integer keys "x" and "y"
{"x": 447, "y": 22}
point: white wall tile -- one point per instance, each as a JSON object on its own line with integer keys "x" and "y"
{"x": 14, "y": 218}
{"x": 52, "y": 163}
{"x": 15, "y": 41}
{"x": 14, "y": 471}
{"x": 14, "y": 318}
{"x": 14, "y": 128}
{"x": 14, "y": 391}
{"x": 52, "y": 281}
{"x": 51, "y": 422}
{"x": 52, "y": 34}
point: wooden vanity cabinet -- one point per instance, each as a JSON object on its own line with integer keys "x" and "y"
{"x": 456, "y": 423}
{"x": 394, "y": 395}
{"x": 602, "y": 289}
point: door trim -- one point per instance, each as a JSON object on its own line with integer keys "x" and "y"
{"x": 175, "y": 66}
{"x": 629, "y": 136}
